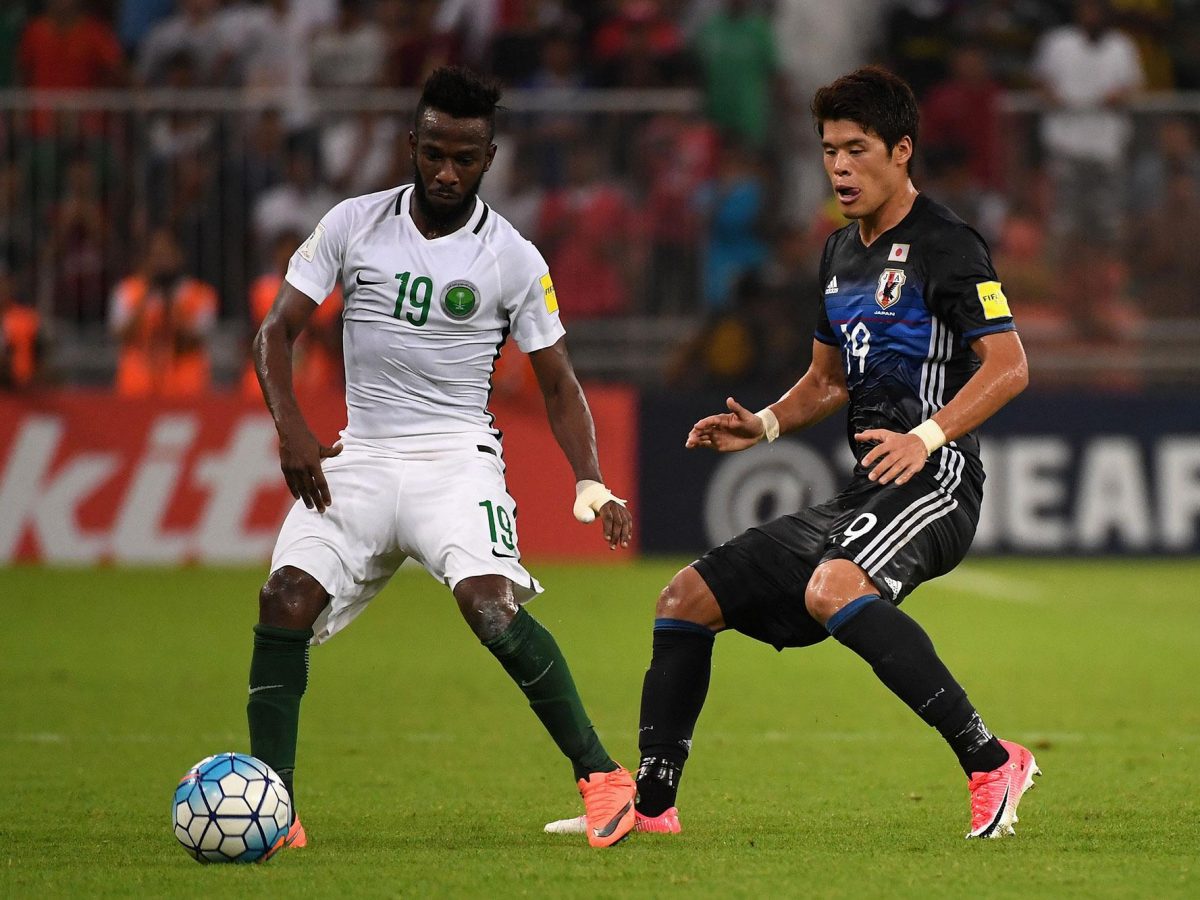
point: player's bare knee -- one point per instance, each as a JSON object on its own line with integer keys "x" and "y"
{"x": 688, "y": 599}
{"x": 487, "y": 603}
{"x": 291, "y": 598}
{"x": 834, "y": 584}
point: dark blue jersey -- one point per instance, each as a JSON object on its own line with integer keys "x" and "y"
{"x": 903, "y": 312}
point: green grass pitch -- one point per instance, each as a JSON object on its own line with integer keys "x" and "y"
{"x": 423, "y": 773}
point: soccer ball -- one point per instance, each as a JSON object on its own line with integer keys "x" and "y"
{"x": 231, "y": 808}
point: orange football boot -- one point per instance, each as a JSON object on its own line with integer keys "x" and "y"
{"x": 608, "y": 798}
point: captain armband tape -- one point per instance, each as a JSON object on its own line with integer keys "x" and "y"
{"x": 590, "y": 497}
{"x": 770, "y": 423}
{"x": 931, "y": 435}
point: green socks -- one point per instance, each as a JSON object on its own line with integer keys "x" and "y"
{"x": 278, "y": 677}
{"x": 532, "y": 659}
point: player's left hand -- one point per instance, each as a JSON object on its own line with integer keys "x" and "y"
{"x": 895, "y": 457}
{"x": 618, "y": 524}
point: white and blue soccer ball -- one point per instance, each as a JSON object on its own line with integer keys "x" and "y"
{"x": 231, "y": 808}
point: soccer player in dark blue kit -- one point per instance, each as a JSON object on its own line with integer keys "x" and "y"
{"x": 915, "y": 333}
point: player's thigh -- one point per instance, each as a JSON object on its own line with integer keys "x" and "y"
{"x": 351, "y": 548}
{"x": 904, "y": 535}
{"x": 457, "y": 518}
{"x": 758, "y": 578}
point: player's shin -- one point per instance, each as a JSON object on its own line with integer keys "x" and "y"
{"x": 904, "y": 659}
{"x": 531, "y": 657}
{"x": 278, "y": 679}
{"x": 673, "y": 694}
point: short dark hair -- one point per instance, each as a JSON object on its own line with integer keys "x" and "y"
{"x": 874, "y": 98}
{"x": 461, "y": 93}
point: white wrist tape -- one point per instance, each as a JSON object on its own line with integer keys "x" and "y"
{"x": 770, "y": 423}
{"x": 590, "y": 497}
{"x": 931, "y": 435}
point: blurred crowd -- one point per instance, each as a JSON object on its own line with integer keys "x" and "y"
{"x": 162, "y": 220}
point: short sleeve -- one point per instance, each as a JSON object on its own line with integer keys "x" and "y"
{"x": 824, "y": 331}
{"x": 532, "y": 304}
{"x": 962, "y": 287}
{"x": 314, "y": 267}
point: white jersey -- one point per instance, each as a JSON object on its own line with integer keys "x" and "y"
{"x": 425, "y": 318}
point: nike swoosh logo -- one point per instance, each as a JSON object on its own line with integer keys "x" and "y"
{"x": 616, "y": 820}
{"x": 504, "y": 555}
{"x": 360, "y": 280}
{"x": 265, "y": 687}
{"x": 540, "y": 677}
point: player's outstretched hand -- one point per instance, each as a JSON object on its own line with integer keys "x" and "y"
{"x": 618, "y": 524}
{"x": 300, "y": 455}
{"x": 735, "y": 430}
{"x": 895, "y": 457}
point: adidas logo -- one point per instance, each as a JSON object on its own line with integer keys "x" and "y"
{"x": 896, "y": 586}
{"x": 831, "y": 288}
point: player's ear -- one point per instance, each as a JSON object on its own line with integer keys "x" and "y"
{"x": 903, "y": 151}
{"x": 489, "y": 156}
{"x": 412, "y": 143}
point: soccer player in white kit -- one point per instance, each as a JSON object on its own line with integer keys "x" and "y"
{"x": 434, "y": 282}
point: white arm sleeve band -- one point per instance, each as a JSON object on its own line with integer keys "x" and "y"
{"x": 590, "y": 497}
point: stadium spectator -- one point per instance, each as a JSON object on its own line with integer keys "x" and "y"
{"x": 1174, "y": 153}
{"x": 917, "y": 38}
{"x": 1088, "y": 71}
{"x": 587, "y": 231}
{"x": 674, "y": 156}
{"x": 22, "y": 343}
{"x": 548, "y": 137}
{"x": 162, "y": 318}
{"x": 135, "y": 19}
{"x": 1166, "y": 266}
{"x": 317, "y": 353}
{"x": 1009, "y": 29}
{"x": 66, "y": 48}
{"x": 297, "y": 203}
{"x": 174, "y": 133}
{"x": 194, "y": 29}
{"x": 472, "y": 25}
{"x": 515, "y": 47}
{"x": 962, "y": 113}
{"x": 742, "y": 80}
{"x": 734, "y": 205}
{"x": 639, "y": 47}
{"x": 356, "y": 147}
{"x": 261, "y": 162}
{"x": 414, "y": 46}
{"x": 348, "y": 53}
{"x": 194, "y": 211}
{"x": 79, "y": 247}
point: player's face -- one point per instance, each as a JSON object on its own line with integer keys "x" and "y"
{"x": 863, "y": 173}
{"x": 449, "y": 157}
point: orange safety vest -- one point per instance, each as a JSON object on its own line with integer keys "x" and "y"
{"x": 20, "y": 330}
{"x": 149, "y": 364}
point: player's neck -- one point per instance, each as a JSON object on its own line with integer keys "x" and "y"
{"x": 431, "y": 225}
{"x": 890, "y": 214}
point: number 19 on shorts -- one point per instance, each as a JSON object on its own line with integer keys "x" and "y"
{"x": 500, "y": 527}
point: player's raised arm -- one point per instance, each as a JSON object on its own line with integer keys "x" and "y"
{"x": 1003, "y": 373}
{"x": 300, "y": 453}
{"x": 571, "y": 421}
{"x": 819, "y": 393}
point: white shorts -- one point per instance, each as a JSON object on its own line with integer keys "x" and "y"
{"x": 450, "y": 511}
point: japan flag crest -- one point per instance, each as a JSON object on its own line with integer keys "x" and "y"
{"x": 890, "y": 283}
